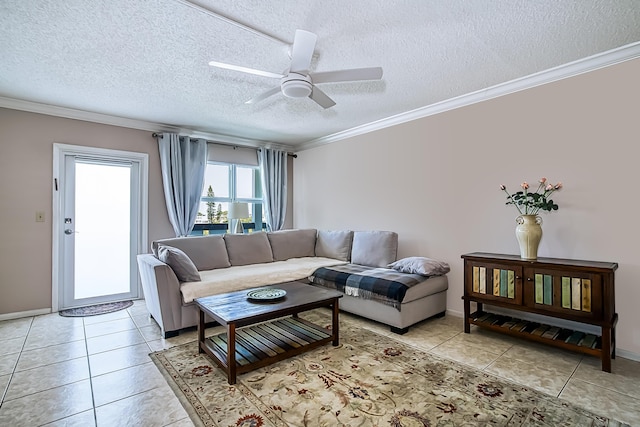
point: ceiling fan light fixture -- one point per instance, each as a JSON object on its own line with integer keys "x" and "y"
{"x": 298, "y": 82}
{"x": 296, "y": 87}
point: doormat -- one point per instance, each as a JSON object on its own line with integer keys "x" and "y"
{"x": 94, "y": 310}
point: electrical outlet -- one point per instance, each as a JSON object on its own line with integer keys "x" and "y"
{"x": 39, "y": 216}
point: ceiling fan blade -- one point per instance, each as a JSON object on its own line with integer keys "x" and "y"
{"x": 355, "y": 74}
{"x": 304, "y": 43}
{"x": 321, "y": 98}
{"x": 245, "y": 70}
{"x": 264, "y": 95}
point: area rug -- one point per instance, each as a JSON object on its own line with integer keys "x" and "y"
{"x": 368, "y": 380}
{"x": 94, "y": 310}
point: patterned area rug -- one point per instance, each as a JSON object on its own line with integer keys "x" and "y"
{"x": 94, "y": 310}
{"x": 368, "y": 380}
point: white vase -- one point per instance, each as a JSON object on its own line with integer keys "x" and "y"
{"x": 529, "y": 234}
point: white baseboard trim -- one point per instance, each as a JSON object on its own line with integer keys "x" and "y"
{"x": 454, "y": 313}
{"x": 21, "y": 314}
{"x": 625, "y": 354}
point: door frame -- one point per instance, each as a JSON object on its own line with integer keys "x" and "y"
{"x": 60, "y": 151}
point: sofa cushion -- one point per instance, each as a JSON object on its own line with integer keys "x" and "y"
{"x": 287, "y": 244}
{"x": 206, "y": 252}
{"x": 334, "y": 244}
{"x": 420, "y": 265}
{"x": 179, "y": 262}
{"x": 231, "y": 279}
{"x": 246, "y": 249}
{"x": 374, "y": 248}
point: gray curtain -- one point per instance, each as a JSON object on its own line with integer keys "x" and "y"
{"x": 273, "y": 166}
{"x": 183, "y": 161}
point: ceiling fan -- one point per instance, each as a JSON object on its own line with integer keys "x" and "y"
{"x": 298, "y": 82}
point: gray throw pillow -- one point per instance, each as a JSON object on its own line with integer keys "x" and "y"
{"x": 420, "y": 265}
{"x": 246, "y": 249}
{"x": 206, "y": 252}
{"x": 287, "y": 244}
{"x": 179, "y": 262}
{"x": 334, "y": 244}
{"x": 374, "y": 248}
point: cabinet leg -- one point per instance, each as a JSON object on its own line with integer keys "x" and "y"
{"x": 467, "y": 312}
{"x": 613, "y": 343}
{"x": 606, "y": 349}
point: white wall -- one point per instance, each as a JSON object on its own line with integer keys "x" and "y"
{"x": 435, "y": 180}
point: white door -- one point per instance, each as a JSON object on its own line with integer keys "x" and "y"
{"x": 99, "y": 228}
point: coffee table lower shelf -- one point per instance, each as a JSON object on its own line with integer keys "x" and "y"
{"x": 265, "y": 343}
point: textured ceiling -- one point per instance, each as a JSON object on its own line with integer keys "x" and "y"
{"x": 148, "y": 59}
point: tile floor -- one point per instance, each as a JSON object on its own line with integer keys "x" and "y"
{"x": 60, "y": 371}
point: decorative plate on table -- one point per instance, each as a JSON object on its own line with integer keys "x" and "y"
{"x": 269, "y": 294}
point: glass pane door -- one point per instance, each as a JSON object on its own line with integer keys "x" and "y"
{"x": 99, "y": 232}
{"x": 102, "y": 214}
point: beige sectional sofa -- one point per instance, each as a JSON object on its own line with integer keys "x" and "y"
{"x": 182, "y": 269}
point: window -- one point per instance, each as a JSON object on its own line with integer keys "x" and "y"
{"x": 225, "y": 183}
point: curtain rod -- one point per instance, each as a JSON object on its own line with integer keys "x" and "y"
{"x": 159, "y": 135}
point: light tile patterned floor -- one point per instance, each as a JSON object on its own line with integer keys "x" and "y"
{"x": 60, "y": 371}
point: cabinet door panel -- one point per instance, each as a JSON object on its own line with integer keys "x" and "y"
{"x": 495, "y": 282}
{"x": 572, "y": 293}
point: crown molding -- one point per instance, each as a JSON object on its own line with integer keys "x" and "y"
{"x": 571, "y": 69}
{"x": 592, "y": 63}
{"x": 106, "y": 119}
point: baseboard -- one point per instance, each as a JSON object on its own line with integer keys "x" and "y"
{"x": 532, "y": 317}
{"x": 627, "y": 354}
{"x": 20, "y": 314}
{"x": 454, "y": 313}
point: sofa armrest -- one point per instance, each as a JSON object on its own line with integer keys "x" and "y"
{"x": 161, "y": 292}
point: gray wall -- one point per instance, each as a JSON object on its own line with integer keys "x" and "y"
{"x": 26, "y": 173}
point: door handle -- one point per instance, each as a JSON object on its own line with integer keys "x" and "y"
{"x": 68, "y": 231}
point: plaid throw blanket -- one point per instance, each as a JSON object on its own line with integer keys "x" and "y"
{"x": 385, "y": 285}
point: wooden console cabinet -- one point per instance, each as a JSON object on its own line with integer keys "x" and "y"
{"x": 580, "y": 291}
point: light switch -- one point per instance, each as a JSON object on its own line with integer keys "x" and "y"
{"x": 39, "y": 216}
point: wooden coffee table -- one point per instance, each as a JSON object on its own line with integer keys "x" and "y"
{"x": 276, "y": 331}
